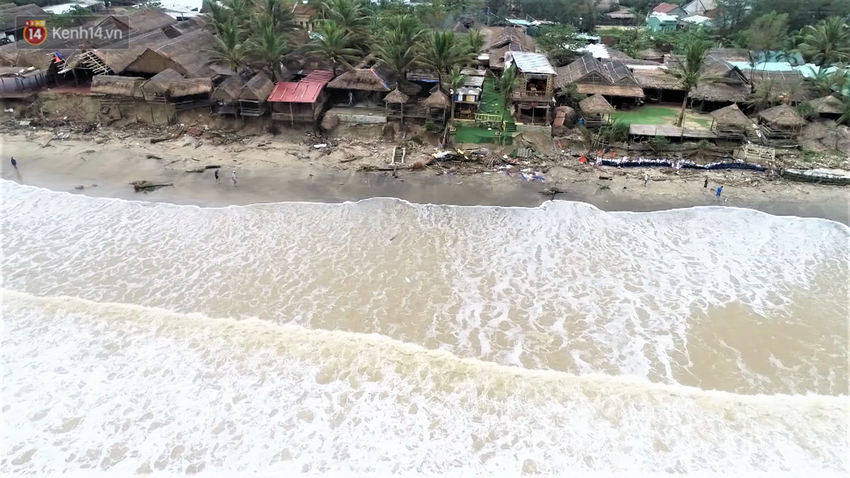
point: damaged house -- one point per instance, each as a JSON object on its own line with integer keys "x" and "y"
{"x": 612, "y": 79}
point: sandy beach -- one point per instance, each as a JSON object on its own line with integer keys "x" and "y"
{"x": 283, "y": 168}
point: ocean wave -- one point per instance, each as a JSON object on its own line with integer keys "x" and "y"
{"x": 129, "y": 388}
{"x": 379, "y": 199}
{"x": 674, "y": 297}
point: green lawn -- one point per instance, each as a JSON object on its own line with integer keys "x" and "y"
{"x": 661, "y": 115}
{"x": 492, "y": 102}
{"x": 647, "y": 115}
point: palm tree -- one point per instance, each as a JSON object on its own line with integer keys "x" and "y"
{"x": 348, "y": 14}
{"x": 506, "y": 85}
{"x": 268, "y": 45}
{"x": 398, "y": 47}
{"x": 277, "y": 12}
{"x": 396, "y": 52}
{"x": 443, "y": 51}
{"x": 335, "y": 43}
{"x": 229, "y": 47}
{"x": 456, "y": 80}
{"x": 475, "y": 41}
{"x": 827, "y": 42}
{"x": 691, "y": 72}
{"x": 764, "y": 97}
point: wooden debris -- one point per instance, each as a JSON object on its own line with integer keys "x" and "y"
{"x": 147, "y": 186}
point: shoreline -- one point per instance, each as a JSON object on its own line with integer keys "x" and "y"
{"x": 286, "y": 171}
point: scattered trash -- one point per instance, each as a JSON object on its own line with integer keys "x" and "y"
{"x": 24, "y": 122}
{"x": 320, "y": 146}
{"x": 9, "y": 110}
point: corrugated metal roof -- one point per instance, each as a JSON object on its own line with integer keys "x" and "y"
{"x": 305, "y": 91}
{"x": 697, "y": 19}
{"x": 532, "y": 62}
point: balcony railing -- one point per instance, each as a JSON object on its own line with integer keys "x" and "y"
{"x": 531, "y": 95}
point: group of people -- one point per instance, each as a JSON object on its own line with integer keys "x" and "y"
{"x": 232, "y": 177}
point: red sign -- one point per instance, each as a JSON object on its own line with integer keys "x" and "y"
{"x": 35, "y": 32}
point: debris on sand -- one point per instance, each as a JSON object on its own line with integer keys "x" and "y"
{"x": 148, "y": 186}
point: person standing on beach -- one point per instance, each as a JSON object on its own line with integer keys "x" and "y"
{"x": 719, "y": 190}
{"x": 217, "y": 178}
{"x": 705, "y": 184}
{"x": 233, "y": 177}
{"x": 645, "y": 179}
{"x": 14, "y": 163}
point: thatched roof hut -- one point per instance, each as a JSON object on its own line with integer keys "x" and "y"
{"x": 147, "y": 19}
{"x": 190, "y": 87}
{"x": 362, "y": 80}
{"x": 731, "y": 116}
{"x": 396, "y": 97}
{"x": 161, "y": 82}
{"x": 658, "y": 79}
{"x": 438, "y": 99}
{"x": 595, "y": 105}
{"x": 782, "y": 116}
{"x": 230, "y": 89}
{"x": 258, "y": 88}
{"x": 7, "y": 17}
{"x": 116, "y": 85}
{"x": 829, "y": 105}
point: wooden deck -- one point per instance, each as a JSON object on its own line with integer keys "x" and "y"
{"x": 669, "y": 131}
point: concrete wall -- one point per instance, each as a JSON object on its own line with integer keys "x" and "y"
{"x": 346, "y": 117}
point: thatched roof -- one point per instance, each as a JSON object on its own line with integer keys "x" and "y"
{"x": 828, "y": 105}
{"x": 258, "y": 88}
{"x": 8, "y": 15}
{"x": 361, "y": 80}
{"x": 396, "y": 97}
{"x": 721, "y": 92}
{"x": 783, "y": 116}
{"x": 230, "y": 89}
{"x": 191, "y": 53}
{"x": 147, "y": 20}
{"x": 190, "y": 87}
{"x": 783, "y": 83}
{"x": 409, "y": 88}
{"x": 731, "y": 116}
{"x": 160, "y": 83}
{"x": 657, "y": 79}
{"x": 596, "y": 105}
{"x": 594, "y": 77}
{"x": 438, "y": 99}
{"x": 116, "y": 85}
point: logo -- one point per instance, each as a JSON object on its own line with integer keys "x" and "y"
{"x": 35, "y": 31}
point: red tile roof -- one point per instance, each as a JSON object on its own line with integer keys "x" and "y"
{"x": 305, "y": 91}
{"x": 665, "y": 8}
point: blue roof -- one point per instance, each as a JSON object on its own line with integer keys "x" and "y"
{"x": 769, "y": 66}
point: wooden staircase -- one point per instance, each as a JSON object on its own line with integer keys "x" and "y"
{"x": 398, "y": 155}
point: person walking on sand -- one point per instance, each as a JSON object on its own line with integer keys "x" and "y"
{"x": 645, "y": 179}
{"x": 718, "y": 191}
{"x": 233, "y": 177}
{"x": 217, "y": 178}
{"x": 14, "y": 163}
{"x": 705, "y": 184}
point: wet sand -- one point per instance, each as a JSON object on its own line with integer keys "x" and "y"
{"x": 275, "y": 175}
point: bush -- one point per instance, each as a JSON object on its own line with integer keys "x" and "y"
{"x": 806, "y": 110}
{"x": 616, "y": 132}
{"x": 659, "y": 143}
